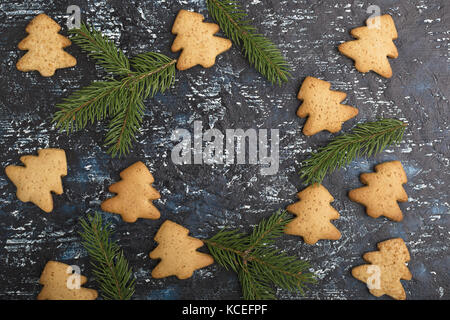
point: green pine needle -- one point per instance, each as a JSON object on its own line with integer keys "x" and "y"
{"x": 119, "y": 99}
{"x": 260, "y": 51}
{"x": 366, "y": 139}
{"x": 155, "y": 71}
{"x": 102, "y": 49}
{"x": 111, "y": 269}
{"x": 124, "y": 127}
{"x": 259, "y": 265}
{"x": 93, "y": 103}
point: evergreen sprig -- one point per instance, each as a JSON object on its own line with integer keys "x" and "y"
{"x": 366, "y": 139}
{"x": 259, "y": 265}
{"x": 121, "y": 99}
{"x": 262, "y": 53}
{"x": 111, "y": 269}
{"x": 102, "y": 49}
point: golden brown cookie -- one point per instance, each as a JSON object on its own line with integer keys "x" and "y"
{"x": 40, "y": 176}
{"x": 384, "y": 188}
{"x": 387, "y": 267}
{"x": 178, "y": 252}
{"x": 58, "y": 285}
{"x": 45, "y": 47}
{"x": 196, "y": 39}
{"x": 373, "y": 46}
{"x": 314, "y": 213}
{"x": 134, "y": 195}
{"x": 322, "y": 107}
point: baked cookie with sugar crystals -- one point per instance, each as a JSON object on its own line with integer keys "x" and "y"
{"x": 384, "y": 189}
{"x": 134, "y": 194}
{"x": 40, "y": 176}
{"x": 61, "y": 283}
{"x": 45, "y": 47}
{"x": 387, "y": 267}
{"x": 197, "y": 41}
{"x": 323, "y": 107}
{"x": 178, "y": 252}
{"x": 373, "y": 46}
{"x": 313, "y": 214}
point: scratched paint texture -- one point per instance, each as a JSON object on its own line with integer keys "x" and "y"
{"x": 231, "y": 95}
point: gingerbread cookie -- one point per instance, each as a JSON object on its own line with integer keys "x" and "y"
{"x": 40, "y": 176}
{"x": 384, "y": 188}
{"x": 387, "y": 267}
{"x": 178, "y": 252}
{"x": 45, "y": 47}
{"x": 373, "y": 45}
{"x": 134, "y": 195}
{"x": 196, "y": 39}
{"x": 322, "y": 107}
{"x": 60, "y": 283}
{"x": 314, "y": 213}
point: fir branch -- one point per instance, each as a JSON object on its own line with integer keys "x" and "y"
{"x": 124, "y": 126}
{"x": 89, "y": 104}
{"x": 111, "y": 269}
{"x": 155, "y": 73}
{"x": 102, "y": 49}
{"x": 366, "y": 139}
{"x": 119, "y": 99}
{"x": 257, "y": 262}
{"x": 254, "y": 288}
{"x": 260, "y": 51}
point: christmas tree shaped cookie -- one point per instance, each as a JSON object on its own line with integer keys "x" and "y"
{"x": 323, "y": 107}
{"x": 134, "y": 195}
{"x": 40, "y": 176}
{"x": 196, "y": 39}
{"x": 60, "y": 283}
{"x": 45, "y": 47}
{"x": 314, "y": 213}
{"x": 178, "y": 252}
{"x": 387, "y": 267}
{"x": 373, "y": 46}
{"x": 384, "y": 188}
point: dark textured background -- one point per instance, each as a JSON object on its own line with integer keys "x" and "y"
{"x": 232, "y": 94}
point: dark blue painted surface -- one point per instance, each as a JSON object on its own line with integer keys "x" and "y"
{"x": 233, "y": 95}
